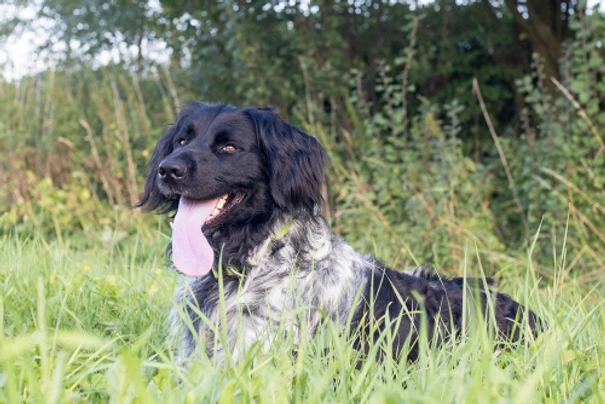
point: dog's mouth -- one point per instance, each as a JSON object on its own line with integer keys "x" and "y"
{"x": 224, "y": 205}
{"x": 194, "y": 220}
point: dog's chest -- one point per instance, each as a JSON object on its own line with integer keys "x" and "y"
{"x": 284, "y": 289}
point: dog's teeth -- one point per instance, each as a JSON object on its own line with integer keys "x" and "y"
{"x": 172, "y": 224}
{"x": 220, "y": 205}
{"x": 214, "y": 214}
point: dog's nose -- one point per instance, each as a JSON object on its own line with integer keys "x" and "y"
{"x": 171, "y": 170}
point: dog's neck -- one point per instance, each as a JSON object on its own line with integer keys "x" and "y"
{"x": 236, "y": 247}
{"x": 301, "y": 239}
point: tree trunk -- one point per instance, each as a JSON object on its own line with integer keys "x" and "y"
{"x": 545, "y": 25}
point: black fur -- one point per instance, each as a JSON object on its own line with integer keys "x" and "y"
{"x": 295, "y": 162}
{"x": 441, "y": 299}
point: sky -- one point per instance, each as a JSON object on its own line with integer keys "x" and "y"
{"x": 18, "y": 53}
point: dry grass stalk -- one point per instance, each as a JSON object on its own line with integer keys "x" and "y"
{"x": 511, "y": 181}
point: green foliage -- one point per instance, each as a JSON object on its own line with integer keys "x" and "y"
{"x": 412, "y": 173}
{"x": 259, "y": 52}
{"x": 75, "y": 145}
{"x": 75, "y": 148}
{"x": 418, "y": 188}
{"x": 557, "y": 159}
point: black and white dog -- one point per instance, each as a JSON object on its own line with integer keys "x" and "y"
{"x": 245, "y": 186}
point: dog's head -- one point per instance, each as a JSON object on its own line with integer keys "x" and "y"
{"x": 248, "y": 158}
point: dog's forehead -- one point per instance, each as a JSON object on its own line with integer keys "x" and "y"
{"x": 207, "y": 124}
{"x": 234, "y": 121}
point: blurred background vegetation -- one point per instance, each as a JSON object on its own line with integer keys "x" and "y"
{"x": 392, "y": 89}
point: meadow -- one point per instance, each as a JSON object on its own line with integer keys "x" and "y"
{"x": 86, "y": 287}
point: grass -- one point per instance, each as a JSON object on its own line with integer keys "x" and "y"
{"x": 85, "y": 323}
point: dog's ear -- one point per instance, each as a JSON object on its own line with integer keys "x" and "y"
{"x": 296, "y": 161}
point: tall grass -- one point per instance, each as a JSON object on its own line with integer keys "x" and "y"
{"x": 82, "y": 325}
{"x": 76, "y": 145}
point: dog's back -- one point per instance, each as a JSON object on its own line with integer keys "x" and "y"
{"x": 422, "y": 294}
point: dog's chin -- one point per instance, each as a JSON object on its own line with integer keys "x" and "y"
{"x": 168, "y": 192}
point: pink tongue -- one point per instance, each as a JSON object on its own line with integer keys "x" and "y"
{"x": 191, "y": 253}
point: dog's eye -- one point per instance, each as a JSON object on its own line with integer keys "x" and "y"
{"x": 182, "y": 141}
{"x": 228, "y": 149}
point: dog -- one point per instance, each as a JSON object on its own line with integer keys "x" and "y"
{"x": 246, "y": 189}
